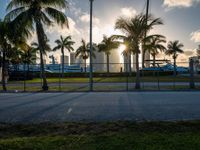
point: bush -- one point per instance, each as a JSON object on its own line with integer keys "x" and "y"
{"x": 86, "y": 75}
{"x": 20, "y": 75}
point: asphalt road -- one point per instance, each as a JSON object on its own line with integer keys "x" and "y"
{"x": 62, "y": 107}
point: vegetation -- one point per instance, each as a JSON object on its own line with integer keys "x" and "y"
{"x": 107, "y": 45}
{"x": 62, "y": 44}
{"x": 11, "y": 35}
{"x": 84, "y": 52}
{"x": 25, "y": 17}
{"x": 174, "y": 48}
{"x": 135, "y": 29}
{"x": 154, "y": 45}
{"x": 111, "y": 135}
{"x": 38, "y": 13}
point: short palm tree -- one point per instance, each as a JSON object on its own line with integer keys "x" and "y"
{"x": 84, "y": 52}
{"x": 135, "y": 28}
{"x": 128, "y": 50}
{"x": 106, "y": 46}
{"x": 62, "y": 44}
{"x": 38, "y": 12}
{"x": 10, "y": 34}
{"x": 29, "y": 56}
{"x": 173, "y": 49}
{"x": 154, "y": 45}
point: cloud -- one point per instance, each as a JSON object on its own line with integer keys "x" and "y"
{"x": 58, "y": 30}
{"x": 179, "y": 3}
{"x": 85, "y": 18}
{"x": 195, "y": 36}
{"x": 128, "y": 12}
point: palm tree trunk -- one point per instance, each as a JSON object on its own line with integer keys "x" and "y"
{"x": 174, "y": 66}
{"x": 108, "y": 63}
{"x": 154, "y": 60}
{"x": 85, "y": 66}
{"x": 41, "y": 42}
{"x": 143, "y": 59}
{"x": 63, "y": 62}
{"x": 4, "y": 72}
{"x": 137, "y": 84}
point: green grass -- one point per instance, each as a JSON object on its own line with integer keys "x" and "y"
{"x": 111, "y": 79}
{"x": 102, "y": 136}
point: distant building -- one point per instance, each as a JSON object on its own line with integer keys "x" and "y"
{"x": 66, "y": 60}
{"x": 99, "y": 62}
{"x": 72, "y": 59}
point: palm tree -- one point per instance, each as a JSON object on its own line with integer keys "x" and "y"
{"x": 149, "y": 21}
{"x": 38, "y": 13}
{"x": 135, "y": 28}
{"x": 174, "y": 48}
{"x": 84, "y": 52}
{"x": 28, "y": 56}
{"x": 154, "y": 45}
{"x": 106, "y": 46}
{"x": 128, "y": 50}
{"x": 62, "y": 44}
{"x": 10, "y": 34}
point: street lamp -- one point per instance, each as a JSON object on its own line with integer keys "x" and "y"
{"x": 91, "y": 47}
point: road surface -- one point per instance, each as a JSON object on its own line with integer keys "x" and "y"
{"x": 135, "y": 106}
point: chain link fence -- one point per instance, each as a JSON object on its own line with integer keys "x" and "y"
{"x": 106, "y": 77}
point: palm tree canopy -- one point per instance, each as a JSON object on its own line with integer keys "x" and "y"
{"x": 154, "y": 44}
{"x": 35, "y": 46}
{"x": 26, "y": 12}
{"x": 108, "y": 44}
{"x": 84, "y": 50}
{"x": 136, "y": 28}
{"x": 127, "y": 41}
{"x": 28, "y": 56}
{"x": 174, "y": 47}
{"x": 9, "y": 34}
{"x": 64, "y": 43}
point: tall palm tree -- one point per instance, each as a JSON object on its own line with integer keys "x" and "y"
{"x": 154, "y": 45}
{"x": 173, "y": 49}
{"x": 135, "y": 28}
{"x": 38, "y": 13}
{"x": 84, "y": 52}
{"x": 62, "y": 44}
{"x": 106, "y": 46}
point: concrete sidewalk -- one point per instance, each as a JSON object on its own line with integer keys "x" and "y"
{"x": 61, "y": 107}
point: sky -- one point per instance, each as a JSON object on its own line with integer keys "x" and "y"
{"x": 181, "y": 20}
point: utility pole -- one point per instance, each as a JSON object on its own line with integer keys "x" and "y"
{"x": 147, "y": 55}
{"x": 91, "y": 47}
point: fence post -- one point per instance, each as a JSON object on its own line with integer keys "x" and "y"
{"x": 60, "y": 78}
{"x": 24, "y": 78}
{"x": 127, "y": 76}
{"x": 192, "y": 84}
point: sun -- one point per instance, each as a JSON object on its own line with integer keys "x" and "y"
{"x": 122, "y": 47}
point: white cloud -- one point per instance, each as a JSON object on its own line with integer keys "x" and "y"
{"x": 128, "y": 12}
{"x": 85, "y": 18}
{"x": 179, "y": 3}
{"x": 195, "y": 36}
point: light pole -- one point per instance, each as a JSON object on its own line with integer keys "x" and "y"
{"x": 91, "y": 47}
{"x": 146, "y": 55}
